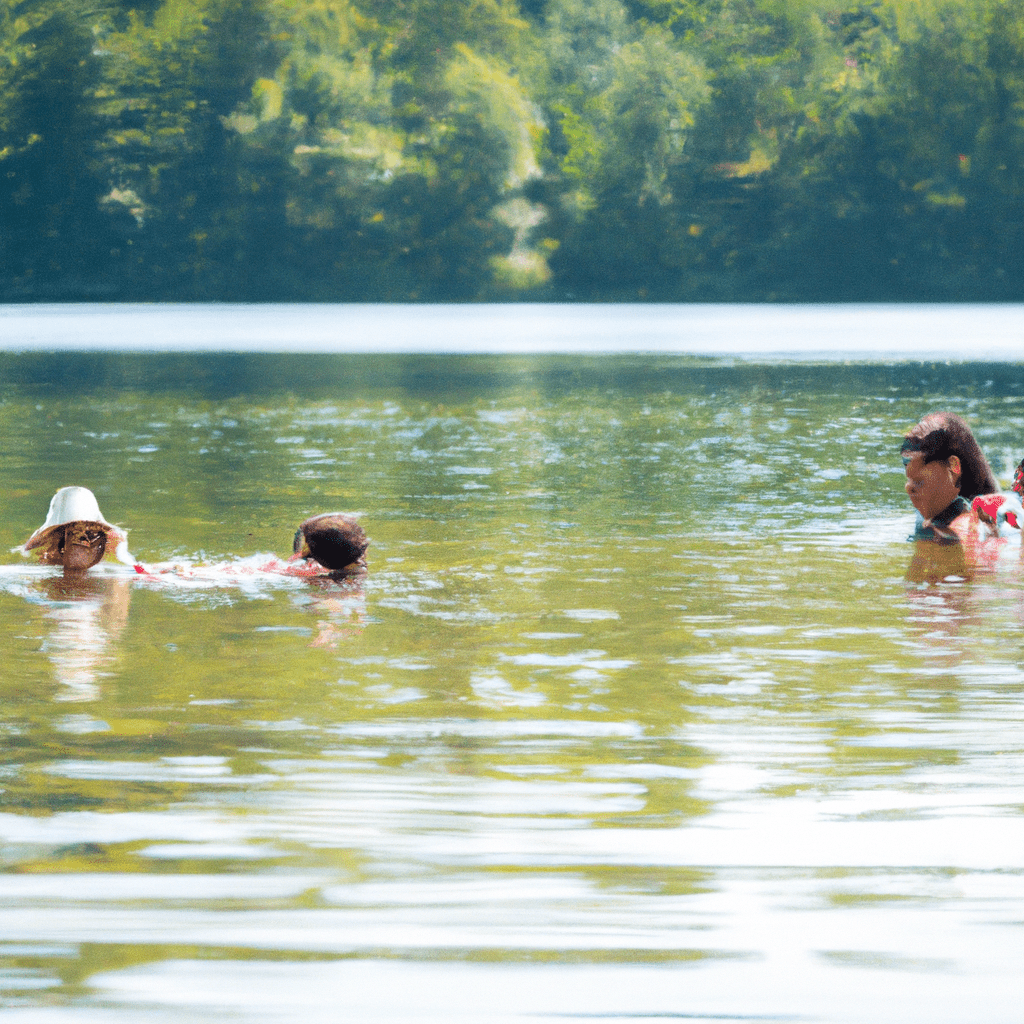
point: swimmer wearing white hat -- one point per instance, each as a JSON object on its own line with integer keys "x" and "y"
{"x": 75, "y": 534}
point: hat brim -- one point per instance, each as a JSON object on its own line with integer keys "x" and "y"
{"x": 45, "y": 534}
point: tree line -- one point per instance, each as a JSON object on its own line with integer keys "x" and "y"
{"x": 473, "y": 150}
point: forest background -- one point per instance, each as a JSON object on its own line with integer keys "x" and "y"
{"x": 474, "y": 150}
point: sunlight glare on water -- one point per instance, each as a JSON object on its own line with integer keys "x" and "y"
{"x": 645, "y": 708}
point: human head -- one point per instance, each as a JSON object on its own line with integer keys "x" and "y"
{"x": 75, "y": 534}
{"x": 334, "y": 540}
{"x": 943, "y": 437}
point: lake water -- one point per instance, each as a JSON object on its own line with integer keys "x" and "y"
{"x": 645, "y": 710}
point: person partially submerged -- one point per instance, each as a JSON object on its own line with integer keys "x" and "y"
{"x": 75, "y": 534}
{"x": 945, "y": 470}
{"x": 333, "y": 540}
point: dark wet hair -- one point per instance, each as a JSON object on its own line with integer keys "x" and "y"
{"x": 940, "y": 435}
{"x": 334, "y": 540}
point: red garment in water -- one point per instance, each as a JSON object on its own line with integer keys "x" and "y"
{"x": 989, "y": 509}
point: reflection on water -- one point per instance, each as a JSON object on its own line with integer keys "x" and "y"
{"x": 935, "y": 563}
{"x": 85, "y": 614}
{"x": 86, "y": 620}
{"x": 340, "y": 611}
{"x": 87, "y": 611}
{"x": 644, "y": 709}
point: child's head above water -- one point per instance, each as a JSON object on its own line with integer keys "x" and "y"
{"x": 75, "y": 534}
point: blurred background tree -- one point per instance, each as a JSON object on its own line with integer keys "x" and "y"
{"x": 465, "y": 150}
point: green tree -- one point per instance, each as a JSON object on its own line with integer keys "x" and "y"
{"x": 622, "y": 99}
{"x": 904, "y": 181}
{"x": 171, "y": 81}
{"x": 57, "y": 236}
{"x": 451, "y": 150}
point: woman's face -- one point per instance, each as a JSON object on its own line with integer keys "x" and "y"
{"x": 931, "y": 486}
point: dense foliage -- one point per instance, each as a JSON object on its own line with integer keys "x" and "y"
{"x": 423, "y": 150}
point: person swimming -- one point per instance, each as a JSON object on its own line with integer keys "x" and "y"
{"x": 329, "y": 546}
{"x": 945, "y": 470}
{"x": 75, "y": 534}
{"x": 333, "y": 540}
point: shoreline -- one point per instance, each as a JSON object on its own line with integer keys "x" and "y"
{"x": 754, "y": 333}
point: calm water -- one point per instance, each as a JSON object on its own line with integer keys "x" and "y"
{"x": 646, "y": 708}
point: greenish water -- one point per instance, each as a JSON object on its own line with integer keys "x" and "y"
{"x": 636, "y": 715}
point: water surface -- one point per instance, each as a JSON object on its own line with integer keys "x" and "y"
{"x": 645, "y": 709}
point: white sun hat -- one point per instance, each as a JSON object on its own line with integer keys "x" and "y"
{"x": 78, "y": 505}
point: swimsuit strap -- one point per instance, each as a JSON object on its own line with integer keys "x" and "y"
{"x": 939, "y": 529}
{"x": 957, "y": 507}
